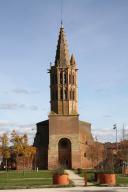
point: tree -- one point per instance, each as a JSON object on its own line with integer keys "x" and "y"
{"x": 1, "y": 154}
{"x": 17, "y": 145}
{"x": 33, "y": 155}
{"x": 28, "y": 151}
{"x": 5, "y": 150}
{"x": 24, "y": 152}
{"x": 95, "y": 153}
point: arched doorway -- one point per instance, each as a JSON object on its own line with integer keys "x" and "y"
{"x": 64, "y": 150}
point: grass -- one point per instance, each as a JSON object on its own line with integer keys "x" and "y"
{"x": 26, "y": 174}
{"x": 122, "y": 180}
{"x": 14, "y": 179}
{"x": 29, "y": 179}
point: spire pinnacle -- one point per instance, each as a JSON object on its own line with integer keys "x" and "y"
{"x": 72, "y": 60}
{"x": 62, "y": 54}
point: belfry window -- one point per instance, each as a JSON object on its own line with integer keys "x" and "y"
{"x": 73, "y": 79}
{"x": 65, "y": 78}
{"x": 70, "y": 79}
{"x": 61, "y": 94}
{"x": 61, "y": 77}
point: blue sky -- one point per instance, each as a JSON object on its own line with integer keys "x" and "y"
{"x": 97, "y": 34}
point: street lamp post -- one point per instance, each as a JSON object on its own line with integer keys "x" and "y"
{"x": 115, "y": 127}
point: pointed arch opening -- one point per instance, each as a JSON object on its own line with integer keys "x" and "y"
{"x": 64, "y": 153}
{"x": 65, "y": 78}
{"x": 69, "y": 78}
{"x": 61, "y": 77}
{"x": 73, "y": 79}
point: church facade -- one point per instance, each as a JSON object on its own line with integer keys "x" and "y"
{"x": 63, "y": 140}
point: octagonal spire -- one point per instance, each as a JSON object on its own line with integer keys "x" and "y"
{"x": 62, "y": 58}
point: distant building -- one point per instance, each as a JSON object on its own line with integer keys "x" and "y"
{"x": 63, "y": 140}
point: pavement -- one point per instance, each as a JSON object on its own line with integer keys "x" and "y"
{"x": 72, "y": 189}
{"x": 77, "y": 180}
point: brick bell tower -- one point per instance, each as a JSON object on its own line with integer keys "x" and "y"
{"x": 64, "y": 148}
{"x": 63, "y": 80}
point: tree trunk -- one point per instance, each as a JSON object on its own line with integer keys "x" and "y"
{"x": 6, "y": 164}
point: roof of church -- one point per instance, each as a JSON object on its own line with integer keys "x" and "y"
{"x": 84, "y": 122}
{"x": 45, "y": 122}
{"x": 62, "y": 54}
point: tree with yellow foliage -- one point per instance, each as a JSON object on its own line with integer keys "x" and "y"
{"x": 22, "y": 149}
{"x": 17, "y": 146}
{"x": 28, "y": 151}
{"x": 5, "y": 150}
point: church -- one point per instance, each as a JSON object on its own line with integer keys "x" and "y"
{"x": 62, "y": 139}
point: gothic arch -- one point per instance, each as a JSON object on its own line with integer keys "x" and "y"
{"x": 65, "y": 77}
{"x": 61, "y": 77}
{"x": 70, "y": 78}
{"x": 64, "y": 152}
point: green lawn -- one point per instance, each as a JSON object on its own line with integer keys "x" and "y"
{"x": 13, "y": 179}
{"x": 27, "y": 179}
{"x": 122, "y": 180}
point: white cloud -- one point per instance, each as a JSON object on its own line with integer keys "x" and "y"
{"x": 24, "y": 91}
{"x": 12, "y": 106}
{"x": 108, "y": 134}
{"x": 20, "y": 91}
{"x": 7, "y": 106}
{"x": 5, "y": 123}
{"x": 15, "y": 106}
{"x": 107, "y": 116}
{"x": 33, "y": 107}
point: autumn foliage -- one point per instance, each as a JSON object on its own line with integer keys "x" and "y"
{"x": 15, "y": 151}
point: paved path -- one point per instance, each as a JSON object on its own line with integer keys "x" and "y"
{"x": 77, "y": 180}
{"x": 73, "y": 189}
